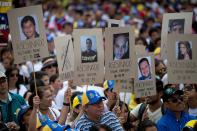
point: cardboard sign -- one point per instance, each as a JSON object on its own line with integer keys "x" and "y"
{"x": 89, "y": 56}
{"x": 28, "y": 33}
{"x": 65, "y": 57}
{"x": 124, "y": 85}
{"x": 182, "y": 58}
{"x": 115, "y": 23}
{"x": 144, "y": 83}
{"x": 174, "y": 23}
{"x": 119, "y": 53}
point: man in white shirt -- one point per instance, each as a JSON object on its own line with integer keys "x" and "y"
{"x": 152, "y": 107}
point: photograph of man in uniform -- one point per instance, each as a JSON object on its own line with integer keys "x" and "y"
{"x": 121, "y": 46}
{"x": 144, "y": 71}
{"x": 176, "y": 26}
{"x": 89, "y": 55}
{"x": 28, "y": 26}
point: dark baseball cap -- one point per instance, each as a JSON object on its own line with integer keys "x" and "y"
{"x": 169, "y": 91}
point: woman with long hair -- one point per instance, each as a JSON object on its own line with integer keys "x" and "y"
{"x": 15, "y": 81}
{"x": 184, "y": 50}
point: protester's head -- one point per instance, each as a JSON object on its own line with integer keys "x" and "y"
{"x": 55, "y": 82}
{"x": 176, "y": 27}
{"x": 154, "y": 34}
{"x": 7, "y": 63}
{"x": 125, "y": 114}
{"x": 6, "y": 53}
{"x": 40, "y": 75}
{"x": 3, "y": 83}
{"x": 160, "y": 68}
{"x": 184, "y": 49}
{"x": 156, "y": 98}
{"x": 120, "y": 47}
{"x": 173, "y": 98}
{"x": 50, "y": 66}
{"x": 192, "y": 91}
{"x": 12, "y": 76}
{"x": 100, "y": 127}
{"x": 44, "y": 93}
{"x": 140, "y": 41}
{"x": 144, "y": 67}
{"x": 88, "y": 44}
{"x": 76, "y": 103}
{"x": 67, "y": 28}
{"x": 28, "y": 26}
{"x": 93, "y": 104}
{"x": 108, "y": 91}
{"x": 147, "y": 125}
{"x": 23, "y": 115}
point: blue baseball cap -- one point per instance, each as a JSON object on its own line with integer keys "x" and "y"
{"x": 91, "y": 97}
{"x": 109, "y": 84}
{"x": 21, "y": 112}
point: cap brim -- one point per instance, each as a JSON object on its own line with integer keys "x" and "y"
{"x": 179, "y": 92}
{"x": 99, "y": 100}
{"x": 49, "y": 64}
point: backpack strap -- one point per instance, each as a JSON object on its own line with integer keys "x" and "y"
{"x": 141, "y": 111}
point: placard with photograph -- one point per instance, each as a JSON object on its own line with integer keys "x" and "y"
{"x": 89, "y": 56}
{"x": 115, "y": 23}
{"x": 119, "y": 53}
{"x": 65, "y": 57}
{"x": 175, "y": 23}
{"x": 182, "y": 58}
{"x": 124, "y": 86}
{"x": 28, "y": 33}
{"x": 144, "y": 83}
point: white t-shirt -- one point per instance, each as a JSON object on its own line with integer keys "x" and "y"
{"x": 193, "y": 112}
{"x": 153, "y": 116}
{"x": 21, "y": 92}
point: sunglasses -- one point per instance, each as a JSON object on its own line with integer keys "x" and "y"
{"x": 3, "y": 80}
{"x": 175, "y": 100}
{"x": 188, "y": 88}
{"x": 14, "y": 74}
{"x": 51, "y": 66}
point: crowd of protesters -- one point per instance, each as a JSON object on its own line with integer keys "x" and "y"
{"x": 56, "y": 105}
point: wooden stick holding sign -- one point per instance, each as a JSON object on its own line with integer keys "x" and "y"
{"x": 36, "y": 90}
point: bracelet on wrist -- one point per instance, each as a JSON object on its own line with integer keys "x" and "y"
{"x": 66, "y": 104}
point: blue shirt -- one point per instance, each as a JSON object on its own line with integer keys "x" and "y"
{"x": 169, "y": 122}
{"x": 108, "y": 118}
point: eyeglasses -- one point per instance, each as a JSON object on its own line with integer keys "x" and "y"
{"x": 14, "y": 74}
{"x": 175, "y": 100}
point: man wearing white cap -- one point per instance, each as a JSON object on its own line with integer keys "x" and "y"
{"x": 9, "y": 103}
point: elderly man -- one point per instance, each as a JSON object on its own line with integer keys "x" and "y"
{"x": 9, "y": 103}
{"x": 94, "y": 113}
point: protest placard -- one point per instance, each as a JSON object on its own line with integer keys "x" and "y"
{"x": 119, "y": 53}
{"x": 28, "y": 33}
{"x": 89, "y": 56}
{"x": 144, "y": 83}
{"x": 174, "y": 23}
{"x": 182, "y": 58}
{"x": 65, "y": 56}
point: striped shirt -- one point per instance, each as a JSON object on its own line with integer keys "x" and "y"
{"x": 108, "y": 118}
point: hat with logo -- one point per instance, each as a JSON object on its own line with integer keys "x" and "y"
{"x": 169, "y": 91}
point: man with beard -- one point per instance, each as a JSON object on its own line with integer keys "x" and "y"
{"x": 94, "y": 113}
{"x": 174, "y": 118}
{"x": 151, "y": 109}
